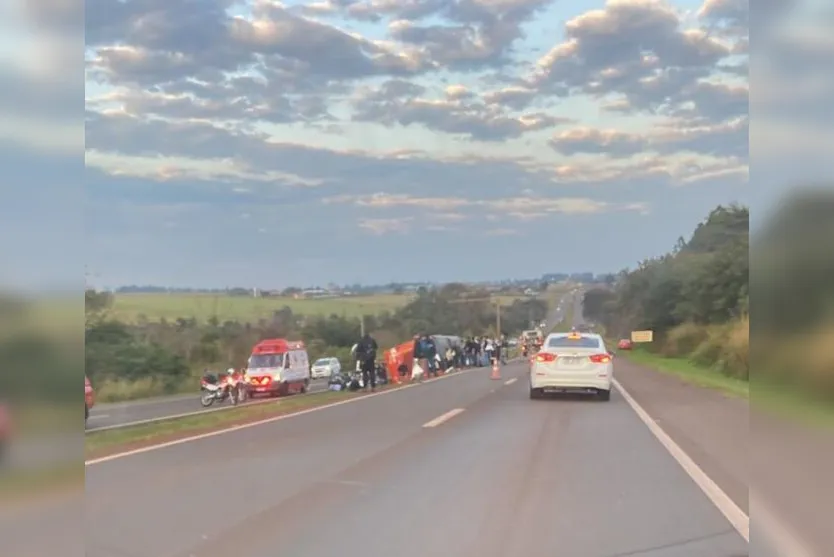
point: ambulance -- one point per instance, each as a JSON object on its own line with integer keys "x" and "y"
{"x": 278, "y": 367}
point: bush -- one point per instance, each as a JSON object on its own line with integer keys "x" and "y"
{"x": 724, "y": 348}
{"x": 736, "y": 358}
{"x": 683, "y": 340}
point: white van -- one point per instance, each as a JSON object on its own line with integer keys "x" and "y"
{"x": 279, "y": 367}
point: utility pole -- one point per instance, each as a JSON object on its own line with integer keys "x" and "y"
{"x": 498, "y": 318}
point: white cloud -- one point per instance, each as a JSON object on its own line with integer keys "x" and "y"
{"x": 444, "y": 117}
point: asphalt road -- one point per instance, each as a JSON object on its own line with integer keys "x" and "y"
{"x": 124, "y": 413}
{"x": 104, "y": 416}
{"x": 503, "y": 477}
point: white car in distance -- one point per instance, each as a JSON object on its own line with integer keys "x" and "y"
{"x": 325, "y": 367}
{"x": 572, "y": 362}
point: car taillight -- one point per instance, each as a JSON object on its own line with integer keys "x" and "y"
{"x": 545, "y": 357}
{"x": 600, "y": 358}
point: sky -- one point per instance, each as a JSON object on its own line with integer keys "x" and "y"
{"x": 274, "y": 144}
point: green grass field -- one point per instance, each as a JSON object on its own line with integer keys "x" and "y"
{"x": 129, "y": 307}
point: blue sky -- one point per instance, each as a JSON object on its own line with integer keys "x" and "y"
{"x": 272, "y": 144}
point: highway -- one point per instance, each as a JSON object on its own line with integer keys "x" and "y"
{"x": 109, "y": 416}
{"x": 462, "y": 466}
{"x": 106, "y": 416}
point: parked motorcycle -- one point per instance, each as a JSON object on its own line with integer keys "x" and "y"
{"x": 219, "y": 388}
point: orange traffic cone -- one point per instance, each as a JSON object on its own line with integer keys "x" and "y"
{"x": 496, "y": 370}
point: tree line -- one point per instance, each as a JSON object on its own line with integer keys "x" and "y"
{"x": 129, "y": 360}
{"x": 695, "y": 298}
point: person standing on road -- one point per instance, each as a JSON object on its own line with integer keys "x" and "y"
{"x": 430, "y": 353}
{"x": 489, "y": 350}
{"x": 419, "y": 347}
{"x": 366, "y": 355}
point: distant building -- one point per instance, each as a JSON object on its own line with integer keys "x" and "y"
{"x": 317, "y": 293}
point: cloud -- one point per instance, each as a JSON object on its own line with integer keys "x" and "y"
{"x": 459, "y": 112}
{"x": 462, "y": 35}
{"x": 385, "y": 226}
{"x": 376, "y": 121}
{"x": 640, "y": 52}
{"x": 519, "y": 207}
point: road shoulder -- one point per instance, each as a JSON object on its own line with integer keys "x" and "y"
{"x": 712, "y": 428}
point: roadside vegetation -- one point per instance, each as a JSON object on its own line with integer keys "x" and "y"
{"x": 695, "y": 298}
{"x": 130, "y": 358}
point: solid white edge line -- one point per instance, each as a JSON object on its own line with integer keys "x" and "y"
{"x": 737, "y": 518}
{"x": 511, "y": 381}
{"x": 274, "y": 419}
{"x": 443, "y": 418}
{"x": 177, "y": 416}
{"x": 786, "y": 542}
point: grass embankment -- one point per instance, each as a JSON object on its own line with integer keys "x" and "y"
{"x": 717, "y": 357}
{"x": 102, "y": 443}
{"x": 689, "y": 371}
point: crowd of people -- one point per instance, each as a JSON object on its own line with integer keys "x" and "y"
{"x": 435, "y": 354}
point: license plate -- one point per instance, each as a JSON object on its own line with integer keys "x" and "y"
{"x": 570, "y": 360}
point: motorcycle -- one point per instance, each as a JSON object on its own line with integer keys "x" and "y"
{"x": 216, "y": 388}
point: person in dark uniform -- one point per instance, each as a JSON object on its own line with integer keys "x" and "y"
{"x": 366, "y": 354}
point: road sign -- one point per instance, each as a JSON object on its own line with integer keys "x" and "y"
{"x": 642, "y": 336}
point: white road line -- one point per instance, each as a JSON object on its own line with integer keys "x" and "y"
{"x": 274, "y": 419}
{"x": 98, "y": 416}
{"x": 443, "y": 418}
{"x": 511, "y": 381}
{"x": 179, "y": 416}
{"x": 739, "y": 520}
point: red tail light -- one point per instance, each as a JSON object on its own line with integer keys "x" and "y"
{"x": 545, "y": 357}
{"x": 600, "y": 358}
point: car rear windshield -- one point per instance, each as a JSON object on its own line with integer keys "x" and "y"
{"x": 568, "y": 342}
{"x": 322, "y": 362}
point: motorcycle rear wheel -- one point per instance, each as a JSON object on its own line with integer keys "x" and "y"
{"x": 207, "y": 399}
